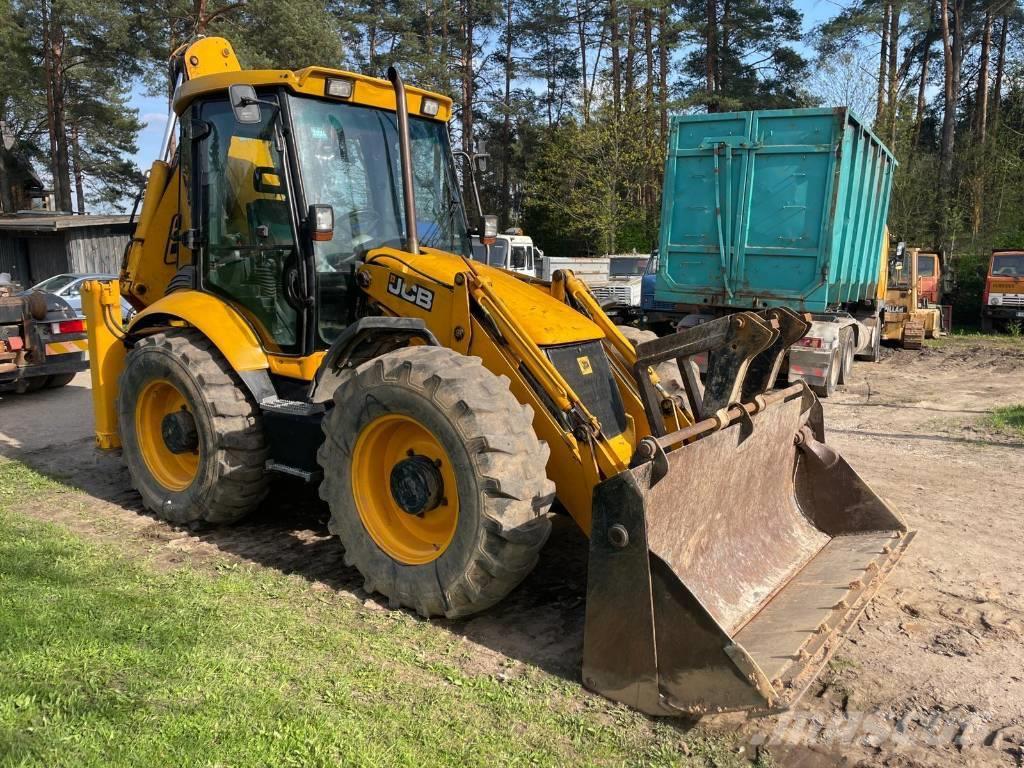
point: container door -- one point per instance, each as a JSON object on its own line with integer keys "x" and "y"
{"x": 701, "y": 210}
{"x": 791, "y": 180}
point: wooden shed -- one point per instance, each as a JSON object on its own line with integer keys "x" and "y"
{"x": 34, "y": 247}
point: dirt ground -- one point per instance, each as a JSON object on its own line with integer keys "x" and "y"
{"x": 932, "y": 674}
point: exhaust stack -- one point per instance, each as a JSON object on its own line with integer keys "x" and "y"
{"x": 412, "y": 244}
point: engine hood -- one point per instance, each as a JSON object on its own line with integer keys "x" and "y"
{"x": 543, "y": 318}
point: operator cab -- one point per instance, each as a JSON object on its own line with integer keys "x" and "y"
{"x": 291, "y": 190}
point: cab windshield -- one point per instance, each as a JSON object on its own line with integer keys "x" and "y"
{"x": 1008, "y": 265}
{"x": 628, "y": 267}
{"x": 348, "y": 159}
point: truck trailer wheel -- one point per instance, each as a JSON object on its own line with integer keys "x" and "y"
{"x": 192, "y": 436}
{"x": 846, "y": 352}
{"x": 435, "y": 481}
{"x": 58, "y": 380}
{"x": 30, "y": 384}
{"x": 831, "y": 376}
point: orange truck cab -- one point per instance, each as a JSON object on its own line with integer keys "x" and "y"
{"x": 928, "y": 278}
{"x": 1003, "y": 300}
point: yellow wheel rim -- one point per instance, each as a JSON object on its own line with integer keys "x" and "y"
{"x": 174, "y": 471}
{"x": 388, "y": 449}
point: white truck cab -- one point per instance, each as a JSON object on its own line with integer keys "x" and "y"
{"x": 514, "y": 252}
{"x": 622, "y": 286}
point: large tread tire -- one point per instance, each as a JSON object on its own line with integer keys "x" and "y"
{"x": 30, "y": 384}
{"x": 829, "y": 387}
{"x": 232, "y": 478}
{"x": 58, "y": 380}
{"x": 846, "y": 353}
{"x": 668, "y": 372}
{"x": 499, "y": 463}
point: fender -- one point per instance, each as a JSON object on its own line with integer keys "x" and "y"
{"x": 365, "y": 339}
{"x": 216, "y": 319}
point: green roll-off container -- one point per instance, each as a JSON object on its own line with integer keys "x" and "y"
{"x": 772, "y": 208}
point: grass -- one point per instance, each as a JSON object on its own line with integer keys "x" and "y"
{"x": 961, "y": 336}
{"x": 1008, "y": 420}
{"x": 108, "y": 661}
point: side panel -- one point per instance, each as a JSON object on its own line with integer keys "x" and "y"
{"x": 153, "y": 257}
{"x": 772, "y": 208}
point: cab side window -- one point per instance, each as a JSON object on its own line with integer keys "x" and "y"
{"x": 251, "y": 255}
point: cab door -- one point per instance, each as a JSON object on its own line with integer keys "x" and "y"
{"x": 246, "y": 225}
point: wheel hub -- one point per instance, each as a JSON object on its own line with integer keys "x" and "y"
{"x": 417, "y": 485}
{"x": 179, "y": 432}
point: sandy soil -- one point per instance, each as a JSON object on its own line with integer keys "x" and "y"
{"x": 932, "y": 674}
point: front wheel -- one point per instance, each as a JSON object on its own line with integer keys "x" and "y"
{"x": 435, "y": 480}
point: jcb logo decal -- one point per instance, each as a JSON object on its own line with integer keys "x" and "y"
{"x": 414, "y": 294}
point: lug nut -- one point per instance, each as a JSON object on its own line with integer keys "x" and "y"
{"x": 618, "y": 536}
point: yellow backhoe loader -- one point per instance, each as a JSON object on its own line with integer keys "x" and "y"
{"x": 912, "y": 313}
{"x": 307, "y": 305}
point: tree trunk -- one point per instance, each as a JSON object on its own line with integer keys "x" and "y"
{"x": 6, "y": 192}
{"x": 922, "y": 86}
{"x": 467, "y": 94}
{"x": 711, "y": 54}
{"x": 997, "y": 86}
{"x": 663, "y": 44}
{"x": 649, "y": 57}
{"x": 76, "y": 159}
{"x": 613, "y": 35}
{"x": 981, "y": 100}
{"x": 506, "y": 123}
{"x": 894, "y": 48}
{"x": 883, "y": 64}
{"x": 630, "y": 50}
{"x": 581, "y": 31}
{"x": 949, "y": 96}
{"x": 53, "y": 67}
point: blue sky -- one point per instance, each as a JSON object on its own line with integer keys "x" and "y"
{"x": 153, "y": 111}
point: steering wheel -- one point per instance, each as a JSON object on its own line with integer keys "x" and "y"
{"x": 367, "y": 222}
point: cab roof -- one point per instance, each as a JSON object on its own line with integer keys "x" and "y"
{"x": 211, "y": 67}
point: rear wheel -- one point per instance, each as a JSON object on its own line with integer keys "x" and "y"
{"x": 193, "y": 439}
{"x": 30, "y": 384}
{"x": 831, "y": 376}
{"x": 58, "y": 380}
{"x": 435, "y": 481}
{"x": 846, "y": 355}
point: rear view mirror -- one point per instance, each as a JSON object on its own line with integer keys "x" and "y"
{"x": 480, "y": 156}
{"x": 489, "y": 229}
{"x": 321, "y": 223}
{"x": 244, "y": 104}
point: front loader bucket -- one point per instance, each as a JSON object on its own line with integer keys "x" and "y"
{"x": 725, "y": 570}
